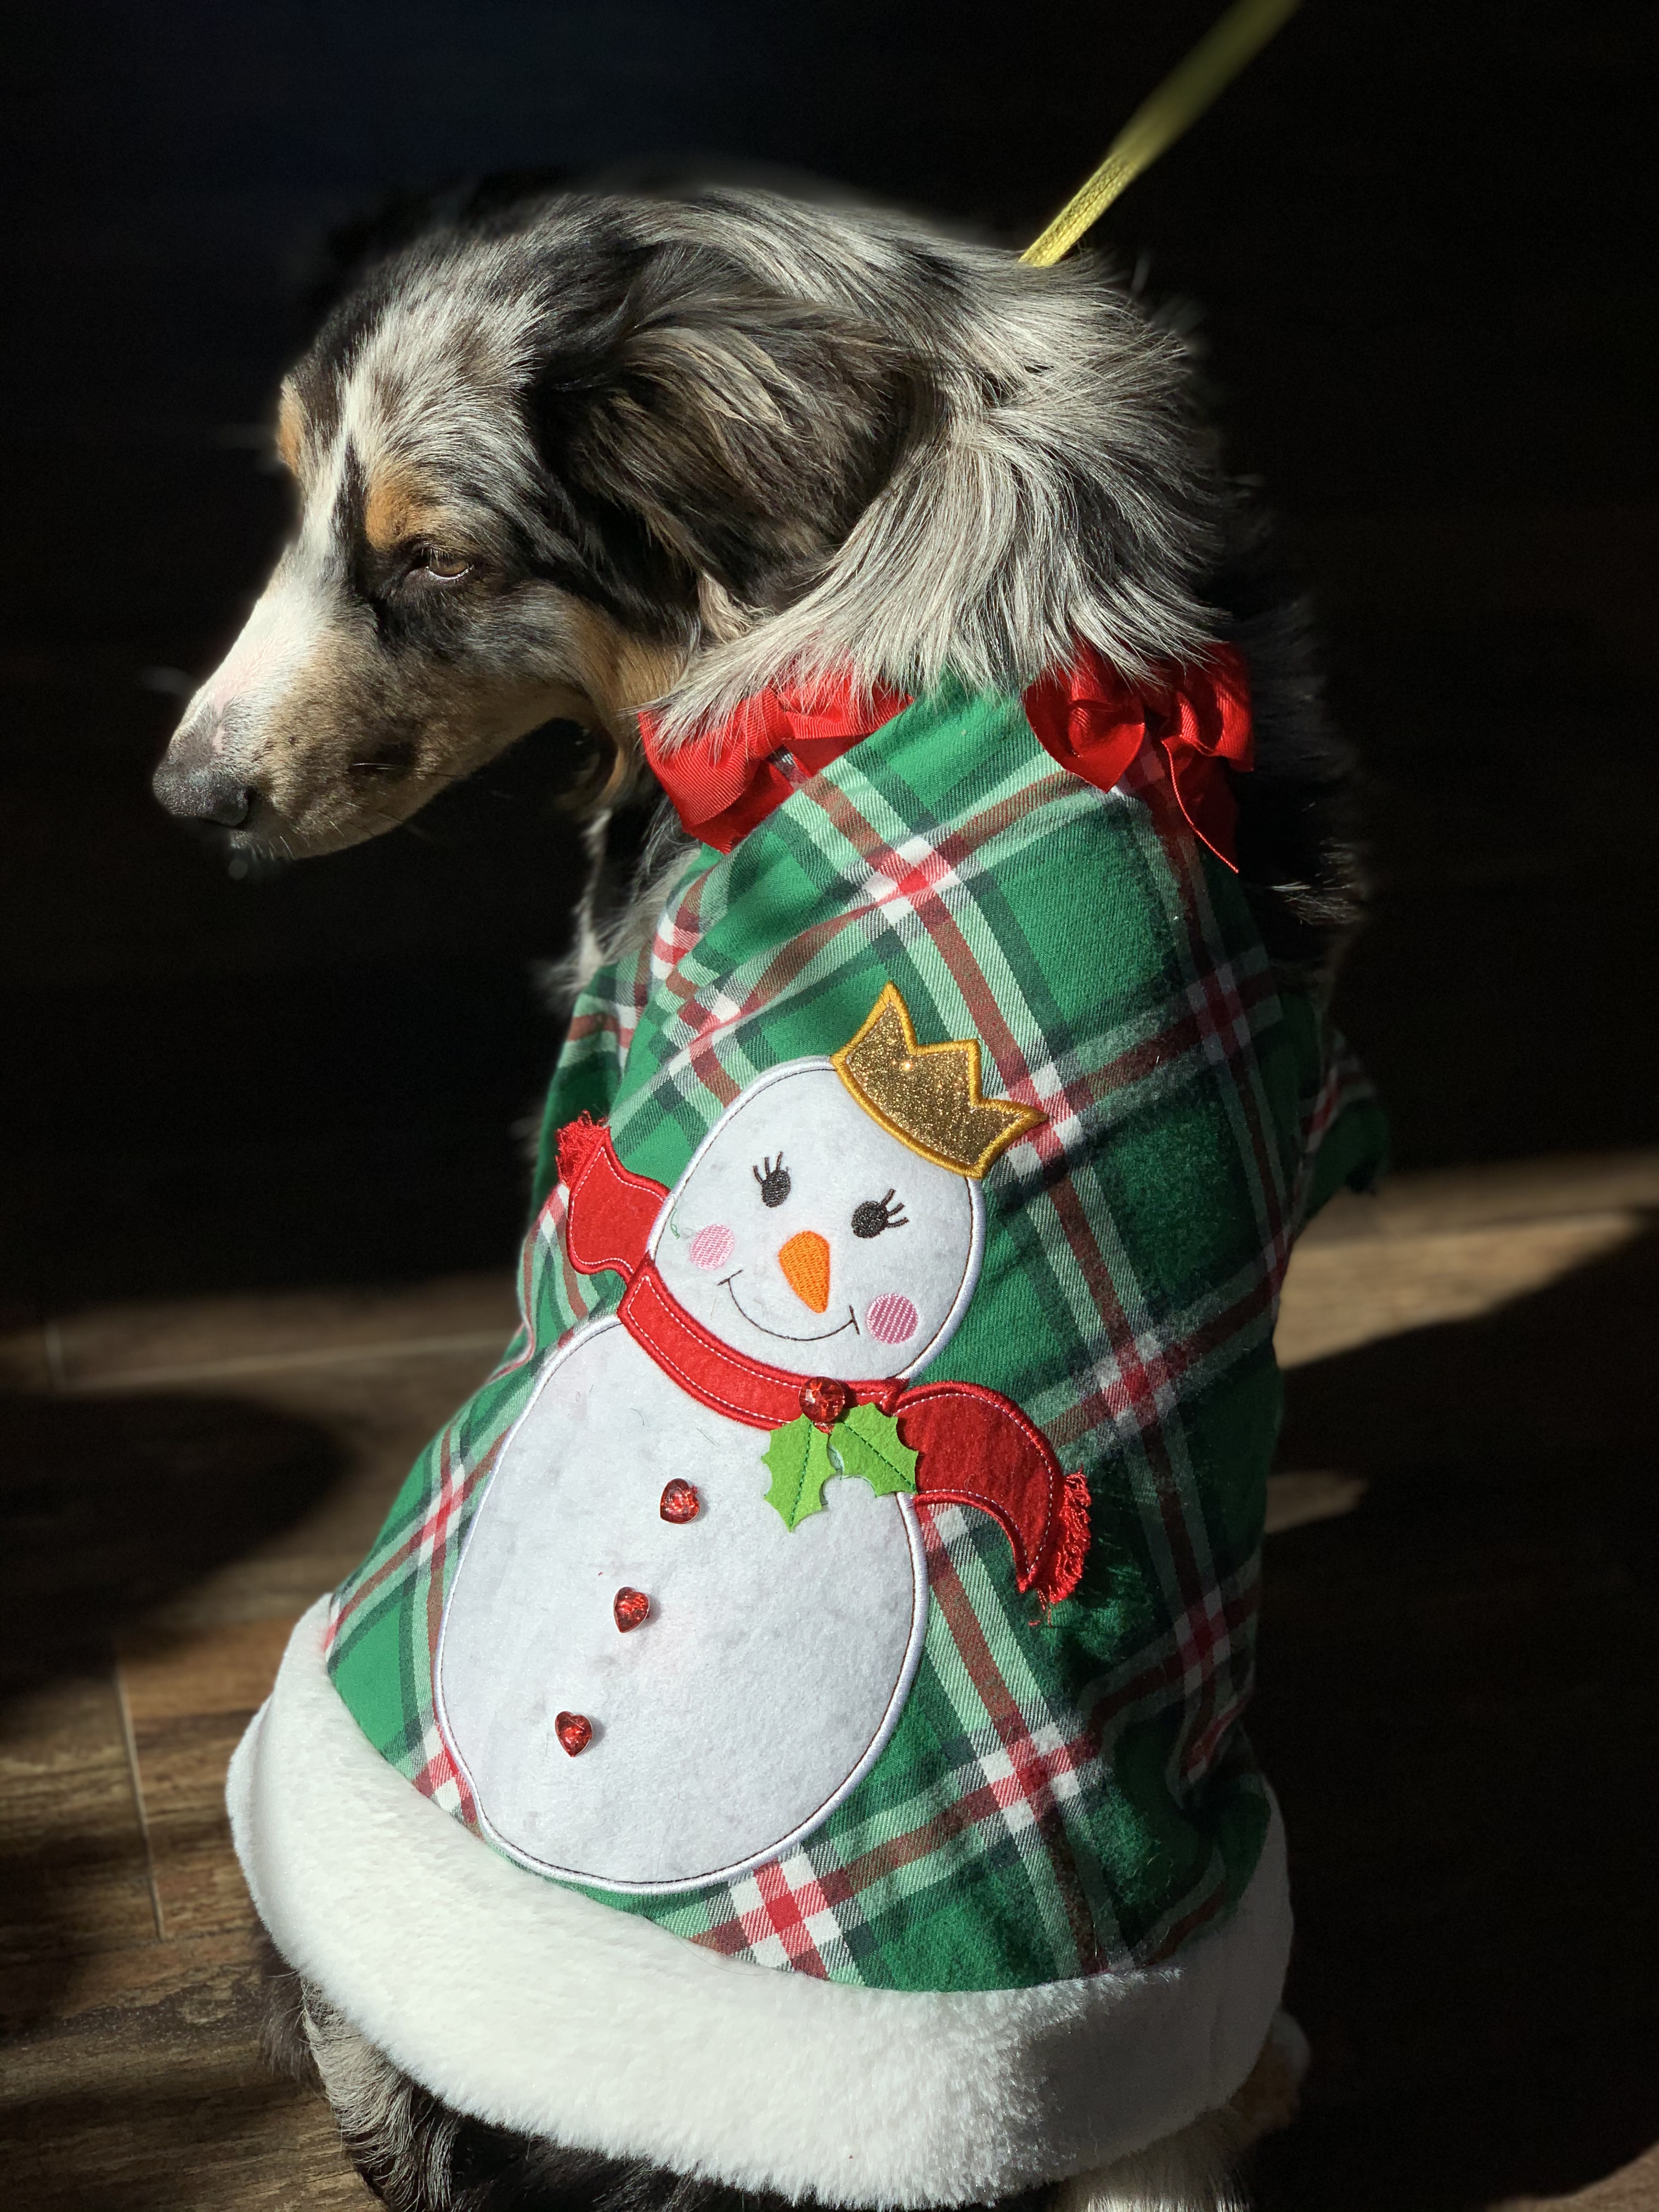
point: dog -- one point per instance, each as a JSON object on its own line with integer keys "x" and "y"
{"x": 569, "y": 458}
{"x": 572, "y": 456}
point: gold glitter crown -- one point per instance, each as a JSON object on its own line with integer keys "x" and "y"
{"x": 927, "y": 1096}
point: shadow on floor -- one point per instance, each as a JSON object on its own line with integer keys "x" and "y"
{"x": 1457, "y": 1710}
{"x": 124, "y": 2151}
{"x": 109, "y": 1507}
{"x": 112, "y": 1505}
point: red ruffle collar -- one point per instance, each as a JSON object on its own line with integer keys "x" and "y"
{"x": 1090, "y": 719}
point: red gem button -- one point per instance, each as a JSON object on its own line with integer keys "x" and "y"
{"x": 680, "y": 1501}
{"x": 631, "y": 1607}
{"x": 825, "y": 1401}
{"x": 574, "y": 1731}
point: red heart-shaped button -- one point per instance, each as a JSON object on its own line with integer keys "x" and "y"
{"x": 680, "y": 1501}
{"x": 631, "y": 1607}
{"x": 574, "y": 1731}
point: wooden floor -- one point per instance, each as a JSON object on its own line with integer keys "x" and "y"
{"x": 1456, "y": 1704}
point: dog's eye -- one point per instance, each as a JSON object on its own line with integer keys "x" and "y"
{"x": 445, "y": 567}
{"x": 876, "y": 1214}
{"x": 774, "y": 1183}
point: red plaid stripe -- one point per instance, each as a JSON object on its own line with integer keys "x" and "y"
{"x": 1208, "y": 1643}
{"x": 442, "y": 1779}
{"x": 707, "y": 1011}
{"x": 788, "y": 1905}
{"x": 458, "y": 1478}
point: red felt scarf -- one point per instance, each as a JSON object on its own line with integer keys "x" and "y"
{"x": 975, "y": 1447}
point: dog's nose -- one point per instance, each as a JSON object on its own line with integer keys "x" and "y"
{"x": 198, "y": 782}
{"x": 804, "y": 1261}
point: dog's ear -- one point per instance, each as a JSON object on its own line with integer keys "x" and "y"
{"x": 734, "y": 434}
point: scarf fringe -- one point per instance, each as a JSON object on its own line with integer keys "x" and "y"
{"x": 1062, "y": 1560}
{"x": 578, "y": 1141}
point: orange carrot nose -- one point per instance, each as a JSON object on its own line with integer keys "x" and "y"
{"x": 804, "y": 1261}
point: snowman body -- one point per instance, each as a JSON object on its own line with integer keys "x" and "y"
{"x": 773, "y": 1662}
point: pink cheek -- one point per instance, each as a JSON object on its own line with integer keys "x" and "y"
{"x": 712, "y": 1246}
{"x": 890, "y": 1319}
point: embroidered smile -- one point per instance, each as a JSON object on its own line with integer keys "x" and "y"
{"x": 783, "y": 1336}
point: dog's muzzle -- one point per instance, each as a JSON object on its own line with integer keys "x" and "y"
{"x": 198, "y": 777}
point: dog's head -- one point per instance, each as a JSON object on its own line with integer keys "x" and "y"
{"x": 539, "y": 463}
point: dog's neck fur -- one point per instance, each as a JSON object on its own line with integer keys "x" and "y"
{"x": 1061, "y": 491}
{"x": 853, "y": 445}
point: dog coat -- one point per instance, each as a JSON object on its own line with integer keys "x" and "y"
{"x": 789, "y": 1726}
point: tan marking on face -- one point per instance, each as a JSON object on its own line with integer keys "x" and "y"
{"x": 620, "y": 672}
{"x": 358, "y": 741}
{"x": 353, "y": 740}
{"x": 397, "y": 508}
{"x": 324, "y": 762}
{"x": 290, "y": 429}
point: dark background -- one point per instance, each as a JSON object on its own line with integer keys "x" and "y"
{"x": 1419, "y": 237}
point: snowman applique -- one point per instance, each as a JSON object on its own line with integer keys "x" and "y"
{"x": 692, "y": 1604}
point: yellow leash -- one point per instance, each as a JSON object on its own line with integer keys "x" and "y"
{"x": 1226, "y": 48}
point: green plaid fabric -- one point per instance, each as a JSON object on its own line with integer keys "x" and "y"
{"x": 1063, "y": 1795}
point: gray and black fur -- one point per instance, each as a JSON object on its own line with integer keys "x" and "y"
{"x": 559, "y": 457}
{"x": 563, "y": 457}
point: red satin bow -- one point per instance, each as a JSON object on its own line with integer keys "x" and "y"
{"x": 1094, "y": 723}
{"x": 725, "y": 781}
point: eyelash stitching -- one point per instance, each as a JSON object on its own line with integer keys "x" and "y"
{"x": 774, "y": 1183}
{"x": 869, "y": 1219}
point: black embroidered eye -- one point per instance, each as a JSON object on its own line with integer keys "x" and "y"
{"x": 876, "y": 1214}
{"x": 774, "y": 1183}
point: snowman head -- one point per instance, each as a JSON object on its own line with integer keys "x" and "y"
{"x": 831, "y": 1222}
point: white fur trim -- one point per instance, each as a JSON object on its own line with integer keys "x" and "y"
{"x": 536, "y": 2008}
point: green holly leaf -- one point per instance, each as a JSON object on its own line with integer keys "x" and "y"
{"x": 802, "y": 1460}
{"x": 868, "y": 1444}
